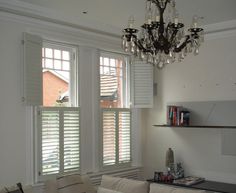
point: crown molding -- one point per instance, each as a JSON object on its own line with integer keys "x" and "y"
{"x": 220, "y": 30}
{"x": 19, "y": 8}
{"x": 45, "y": 14}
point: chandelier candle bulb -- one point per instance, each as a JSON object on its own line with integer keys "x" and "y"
{"x": 176, "y": 21}
{"x": 131, "y": 22}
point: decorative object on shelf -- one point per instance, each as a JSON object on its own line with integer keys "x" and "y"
{"x": 160, "y": 39}
{"x": 179, "y": 171}
{"x": 169, "y": 158}
{"x": 188, "y": 181}
{"x": 177, "y": 115}
{"x": 161, "y": 177}
{"x": 157, "y": 176}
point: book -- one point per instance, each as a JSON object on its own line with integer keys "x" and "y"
{"x": 177, "y": 115}
{"x": 189, "y": 180}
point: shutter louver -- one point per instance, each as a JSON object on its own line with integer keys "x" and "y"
{"x": 50, "y": 142}
{"x": 124, "y": 137}
{"x": 32, "y": 70}
{"x": 142, "y": 81}
{"x": 71, "y": 140}
{"x": 109, "y": 138}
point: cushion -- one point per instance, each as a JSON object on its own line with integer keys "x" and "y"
{"x": 18, "y": 188}
{"x": 74, "y": 183}
{"x": 124, "y": 185}
{"x": 105, "y": 190}
{"x": 159, "y": 188}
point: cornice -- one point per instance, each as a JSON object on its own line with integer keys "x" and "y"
{"x": 44, "y": 14}
{"x": 19, "y": 8}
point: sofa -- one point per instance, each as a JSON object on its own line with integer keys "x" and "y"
{"x": 111, "y": 184}
{"x": 81, "y": 184}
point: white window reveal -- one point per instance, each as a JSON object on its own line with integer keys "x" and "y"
{"x": 116, "y": 115}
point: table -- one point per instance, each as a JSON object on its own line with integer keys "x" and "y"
{"x": 206, "y": 185}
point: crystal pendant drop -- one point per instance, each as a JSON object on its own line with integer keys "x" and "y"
{"x": 124, "y": 40}
{"x": 142, "y": 55}
{"x": 150, "y": 58}
{"x": 196, "y": 51}
{"x": 160, "y": 65}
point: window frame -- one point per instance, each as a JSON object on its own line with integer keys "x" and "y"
{"x": 74, "y": 102}
{"x": 127, "y": 107}
{"x": 74, "y": 70}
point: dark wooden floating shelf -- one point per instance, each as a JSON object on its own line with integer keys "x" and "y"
{"x": 199, "y": 126}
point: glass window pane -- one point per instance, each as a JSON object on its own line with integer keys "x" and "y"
{"x": 113, "y": 72}
{"x": 119, "y": 63}
{"x": 56, "y": 82}
{"x": 101, "y": 70}
{"x": 43, "y": 52}
{"x": 48, "y": 63}
{"x": 57, "y": 54}
{"x": 121, "y": 71}
{"x": 48, "y": 52}
{"x": 106, "y": 70}
{"x": 112, "y": 62}
{"x": 101, "y": 60}
{"x": 106, "y": 62}
{"x": 112, "y": 83}
{"x": 65, "y": 55}
{"x": 57, "y": 64}
{"x": 65, "y": 65}
{"x": 43, "y": 63}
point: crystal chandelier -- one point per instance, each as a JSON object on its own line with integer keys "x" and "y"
{"x": 162, "y": 42}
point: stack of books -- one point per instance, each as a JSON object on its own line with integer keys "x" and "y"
{"x": 177, "y": 115}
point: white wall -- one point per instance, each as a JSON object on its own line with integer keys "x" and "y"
{"x": 16, "y": 142}
{"x": 209, "y": 76}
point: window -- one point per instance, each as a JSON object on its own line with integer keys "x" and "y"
{"x": 116, "y": 115}
{"x": 58, "y": 118}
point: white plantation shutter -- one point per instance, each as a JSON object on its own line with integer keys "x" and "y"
{"x": 71, "y": 140}
{"x": 116, "y": 136}
{"x": 109, "y": 138}
{"x": 60, "y": 148}
{"x": 124, "y": 137}
{"x": 50, "y": 141}
{"x": 32, "y": 70}
{"x": 142, "y": 84}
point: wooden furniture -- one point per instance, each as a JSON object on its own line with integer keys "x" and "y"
{"x": 206, "y": 185}
{"x": 199, "y": 126}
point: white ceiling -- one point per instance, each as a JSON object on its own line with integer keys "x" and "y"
{"x": 116, "y": 12}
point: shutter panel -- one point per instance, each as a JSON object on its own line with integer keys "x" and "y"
{"x": 71, "y": 140}
{"x": 142, "y": 84}
{"x": 109, "y": 138}
{"x": 60, "y": 140}
{"x": 124, "y": 137}
{"x": 32, "y": 69}
{"x": 50, "y": 141}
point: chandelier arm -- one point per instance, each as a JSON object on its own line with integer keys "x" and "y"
{"x": 179, "y": 49}
{"x": 173, "y": 36}
{"x": 139, "y": 44}
{"x": 165, "y": 4}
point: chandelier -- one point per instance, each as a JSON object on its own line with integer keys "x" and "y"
{"x": 162, "y": 42}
